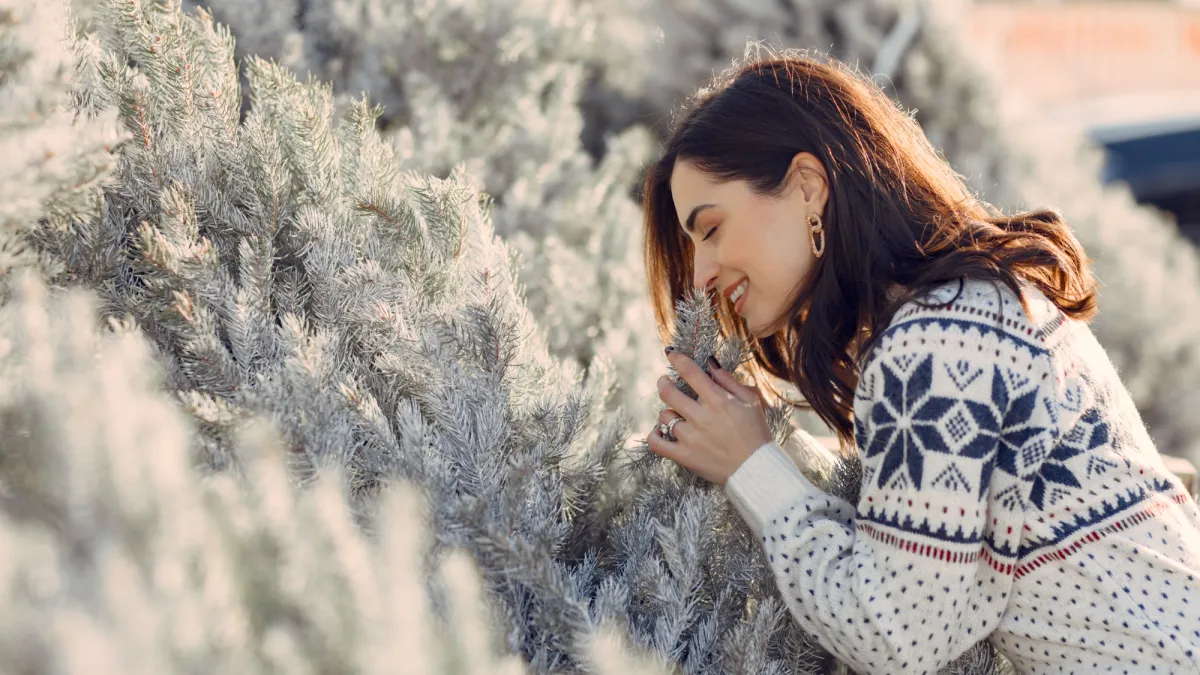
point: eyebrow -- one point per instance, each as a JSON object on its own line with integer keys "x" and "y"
{"x": 690, "y": 225}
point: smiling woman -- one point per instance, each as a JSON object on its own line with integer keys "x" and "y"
{"x": 784, "y": 157}
{"x": 764, "y": 254}
{"x": 1009, "y": 489}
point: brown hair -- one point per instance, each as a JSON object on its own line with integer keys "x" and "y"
{"x": 897, "y": 213}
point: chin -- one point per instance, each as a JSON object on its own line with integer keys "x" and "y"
{"x": 762, "y": 334}
{"x": 762, "y": 331}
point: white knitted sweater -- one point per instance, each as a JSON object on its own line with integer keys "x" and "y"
{"x": 1009, "y": 492}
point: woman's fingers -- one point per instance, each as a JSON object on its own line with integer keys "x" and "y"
{"x": 666, "y": 417}
{"x": 713, "y": 387}
{"x": 659, "y": 445}
{"x": 694, "y": 375}
{"x": 677, "y": 400}
{"x": 730, "y": 383}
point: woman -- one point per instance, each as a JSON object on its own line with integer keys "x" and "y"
{"x": 1009, "y": 489}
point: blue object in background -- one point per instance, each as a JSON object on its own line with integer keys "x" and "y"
{"x": 1161, "y": 163}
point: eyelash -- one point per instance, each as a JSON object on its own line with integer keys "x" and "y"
{"x": 710, "y": 233}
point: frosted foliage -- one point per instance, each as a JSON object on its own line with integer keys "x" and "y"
{"x": 1150, "y": 291}
{"x": 495, "y": 85}
{"x": 53, "y": 160}
{"x": 281, "y": 268}
{"x": 119, "y": 558}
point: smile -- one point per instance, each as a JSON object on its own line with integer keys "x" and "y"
{"x": 738, "y": 296}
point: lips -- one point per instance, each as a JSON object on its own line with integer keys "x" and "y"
{"x": 729, "y": 291}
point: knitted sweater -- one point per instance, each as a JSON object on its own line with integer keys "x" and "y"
{"x": 1009, "y": 492}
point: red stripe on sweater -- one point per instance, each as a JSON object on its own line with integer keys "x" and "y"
{"x": 997, "y": 562}
{"x": 1066, "y": 551}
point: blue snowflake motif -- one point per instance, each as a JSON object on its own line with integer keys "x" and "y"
{"x": 1054, "y": 471}
{"x": 1005, "y": 431}
{"x": 905, "y": 426}
{"x": 905, "y": 422}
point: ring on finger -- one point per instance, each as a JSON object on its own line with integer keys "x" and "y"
{"x": 662, "y": 426}
{"x": 668, "y": 427}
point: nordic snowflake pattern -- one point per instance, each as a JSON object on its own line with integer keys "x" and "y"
{"x": 909, "y": 421}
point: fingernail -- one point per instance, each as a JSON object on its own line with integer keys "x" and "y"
{"x": 713, "y": 363}
{"x": 668, "y": 350}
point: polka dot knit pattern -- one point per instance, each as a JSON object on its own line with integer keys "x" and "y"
{"x": 1010, "y": 492}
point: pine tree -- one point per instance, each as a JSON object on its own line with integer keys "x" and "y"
{"x": 118, "y": 558}
{"x": 282, "y": 268}
{"x": 1150, "y": 284}
{"x": 495, "y": 85}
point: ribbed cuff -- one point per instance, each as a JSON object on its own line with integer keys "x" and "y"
{"x": 766, "y": 485}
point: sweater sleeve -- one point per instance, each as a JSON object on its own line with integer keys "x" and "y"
{"x": 921, "y": 568}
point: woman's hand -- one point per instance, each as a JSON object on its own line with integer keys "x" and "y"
{"x": 719, "y": 431}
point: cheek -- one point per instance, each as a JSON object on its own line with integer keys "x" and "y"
{"x": 784, "y": 263}
{"x": 785, "y": 270}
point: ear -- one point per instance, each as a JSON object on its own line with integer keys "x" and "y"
{"x": 806, "y": 174}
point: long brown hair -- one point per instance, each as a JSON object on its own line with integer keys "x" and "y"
{"x": 897, "y": 213}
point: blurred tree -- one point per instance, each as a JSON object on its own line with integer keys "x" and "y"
{"x": 54, "y": 159}
{"x": 118, "y": 558}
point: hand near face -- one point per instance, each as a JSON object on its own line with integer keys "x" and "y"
{"x": 719, "y": 431}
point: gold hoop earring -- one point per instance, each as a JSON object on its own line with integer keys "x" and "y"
{"x": 818, "y": 230}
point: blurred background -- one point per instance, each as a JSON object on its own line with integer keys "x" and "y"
{"x": 1127, "y": 74}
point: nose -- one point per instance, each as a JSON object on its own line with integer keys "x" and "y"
{"x": 706, "y": 272}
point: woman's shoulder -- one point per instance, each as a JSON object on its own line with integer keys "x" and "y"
{"x": 968, "y": 342}
{"x": 985, "y": 303}
{"x": 965, "y": 317}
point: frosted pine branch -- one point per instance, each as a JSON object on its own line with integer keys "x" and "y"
{"x": 118, "y": 557}
{"x": 55, "y": 159}
{"x": 495, "y": 85}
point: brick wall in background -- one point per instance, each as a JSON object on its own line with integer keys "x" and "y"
{"x": 1091, "y": 62}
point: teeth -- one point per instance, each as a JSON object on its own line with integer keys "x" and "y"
{"x": 737, "y": 292}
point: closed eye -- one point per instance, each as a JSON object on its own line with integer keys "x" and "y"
{"x": 710, "y": 233}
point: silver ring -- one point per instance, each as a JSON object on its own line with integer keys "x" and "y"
{"x": 668, "y": 427}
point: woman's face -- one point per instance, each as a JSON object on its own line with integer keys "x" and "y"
{"x": 739, "y": 236}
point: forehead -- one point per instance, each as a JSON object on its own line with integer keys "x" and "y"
{"x": 691, "y": 187}
{"x": 687, "y": 180}
{"x": 695, "y": 192}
